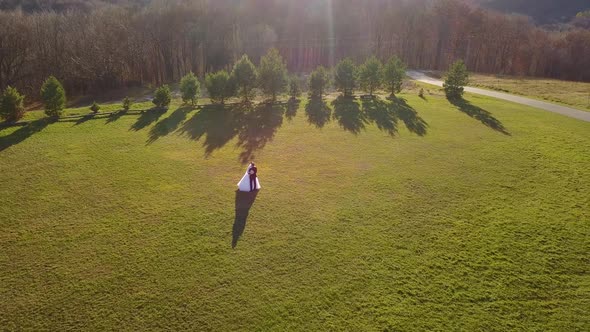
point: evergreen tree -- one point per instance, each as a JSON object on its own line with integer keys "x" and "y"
{"x": 318, "y": 82}
{"x": 272, "y": 74}
{"x": 190, "y": 88}
{"x": 456, "y": 79}
{"x": 220, "y": 86}
{"x": 244, "y": 75}
{"x": 345, "y": 77}
{"x": 53, "y": 96}
{"x": 371, "y": 75}
{"x": 393, "y": 75}
{"x": 95, "y": 107}
{"x": 12, "y": 106}
{"x": 162, "y": 97}
{"x": 127, "y": 102}
{"x": 294, "y": 88}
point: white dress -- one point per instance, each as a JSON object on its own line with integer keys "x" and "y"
{"x": 244, "y": 184}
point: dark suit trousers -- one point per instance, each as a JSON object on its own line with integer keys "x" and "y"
{"x": 252, "y": 182}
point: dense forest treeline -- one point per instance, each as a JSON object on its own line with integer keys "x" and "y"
{"x": 64, "y": 5}
{"x": 136, "y": 43}
{"x": 541, "y": 11}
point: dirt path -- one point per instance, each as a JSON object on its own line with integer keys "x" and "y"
{"x": 567, "y": 111}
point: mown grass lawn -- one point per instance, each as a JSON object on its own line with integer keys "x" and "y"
{"x": 567, "y": 93}
{"x": 440, "y": 220}
{"x": 574, "y": 94}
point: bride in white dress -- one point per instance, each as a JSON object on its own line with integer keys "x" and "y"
{"x": 244, "y": 184}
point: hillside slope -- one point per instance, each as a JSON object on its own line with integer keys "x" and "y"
{"x": 542, "y": 11}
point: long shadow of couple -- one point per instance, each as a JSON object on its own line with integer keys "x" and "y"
{"x": 254, "y": 126}
{"x": 243, "y": 204}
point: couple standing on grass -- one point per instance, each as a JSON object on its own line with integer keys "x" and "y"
{"x": 249, "y": 182}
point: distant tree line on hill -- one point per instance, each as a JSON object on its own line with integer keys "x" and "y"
{"x": 542, "y": 11}
{"x": 30, "y": 6}
{"x": 582, "y": 20}
{"x": 121, "y": 45}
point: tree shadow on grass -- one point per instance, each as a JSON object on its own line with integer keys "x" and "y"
{"x": 84, "y": 119}
{"x": 218, "y": 124}
{"x": 23, "y": 133}
{"x": 254, "y": 126}
{"x": 317, "y": 111}
{"x": 292, "y": 107}
{"x": 147, "y": 117}
{"x": 479, "y": 114}
{"x": 409, "y": 116}
{"x": 243, "y": 203}
{"x": 382, "y": 114}
{"x": 116, "y": 116}
{"x": 348, "y": 114}
{"x": 258, "y": 126}
{"x": 169, "y": 124}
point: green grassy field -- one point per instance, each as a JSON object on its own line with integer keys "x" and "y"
{"x": 413, "y": 216}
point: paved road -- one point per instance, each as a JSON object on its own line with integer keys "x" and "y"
{"x": 567, "y": 111}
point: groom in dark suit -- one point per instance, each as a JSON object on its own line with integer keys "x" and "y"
{"x": 252, "y": 172}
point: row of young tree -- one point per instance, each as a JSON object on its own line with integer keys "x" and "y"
{"x": 53, "y": 95}
{"x": 271, "y": 78}
{"x": 112, "y": 46}
{"x": 370, "y": 77}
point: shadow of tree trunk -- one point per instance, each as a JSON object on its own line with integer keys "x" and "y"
{"x": 84, "y": 119}
{"x": 409, "y": 116}
{"x": 387, "y": 114}
{"x": 379, "y": 112}
{"x": 254, "y": 126}
{"x": 169, "y": 124}
{"x": 317, "y": 111}
{"x": 348, "y": 114}
{"x": 258, "y": 127}
{"x": 148, "y": 117}
{"x": 23, "y": 133}
{"x": 479, "y": 114}
{"x": 116, "y": 116}
{"x": 218, "y": 124}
